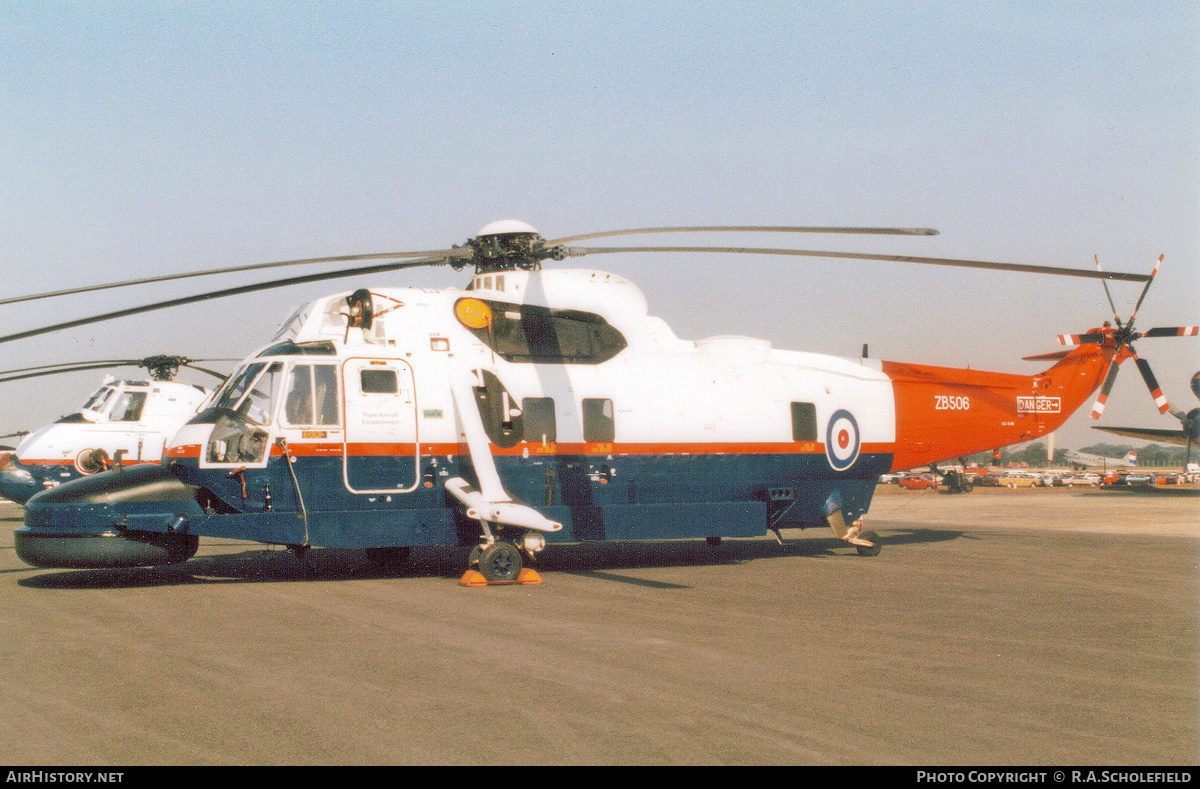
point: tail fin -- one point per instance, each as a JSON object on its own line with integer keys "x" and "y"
{"x": 1131, "y": 458}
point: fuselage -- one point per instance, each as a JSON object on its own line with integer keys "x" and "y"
{"x": 344, "y": 431}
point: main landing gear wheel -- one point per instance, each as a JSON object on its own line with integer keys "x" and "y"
{"x": 873, "y": 549}
{"x": 500, "y": 561}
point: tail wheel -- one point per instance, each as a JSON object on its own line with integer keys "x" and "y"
{"x": 874, "y": 549}
{"x": 500, "y": 561}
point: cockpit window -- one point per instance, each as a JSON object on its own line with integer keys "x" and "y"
{"x": 251, "y": 391}
{"x": 129, "y": 407}
{"x": 98, "y": 399}
{"x": 235, "y": 387}
{"x": 291, "y": 325}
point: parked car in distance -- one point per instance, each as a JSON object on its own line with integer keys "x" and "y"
{"x": 918, "y": 481}
{"x": 1020, "y": 481}
{"x": 1082, "y": 479}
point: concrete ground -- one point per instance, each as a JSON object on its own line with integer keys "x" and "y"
{"x": 997, "y": 627}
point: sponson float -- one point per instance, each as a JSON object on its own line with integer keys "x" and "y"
{"x": 539, "y": 406}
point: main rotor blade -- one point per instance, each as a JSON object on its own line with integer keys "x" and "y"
{"x": 217, "y": 294}
{"x": 440, "y": 253}
{"x": 1068, "y": 272}
{"x": 882, "y": 231}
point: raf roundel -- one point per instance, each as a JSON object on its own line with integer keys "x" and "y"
{"x": 841, "y": 440}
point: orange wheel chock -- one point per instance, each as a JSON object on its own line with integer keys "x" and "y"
{"x": 474, "y": 578}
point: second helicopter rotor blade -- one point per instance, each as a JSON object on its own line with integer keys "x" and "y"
{"x": 76, "y": 368}
{"x": 217, "y": 294}
{"x": 71, "y": 366}
{"x": 213, "y": 373}
{"x": 981, "y": 264}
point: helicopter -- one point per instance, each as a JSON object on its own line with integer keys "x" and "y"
{"x": 1187, "y": 435}
{"x": 123, "y": 422}
{"x": 541, "y": 405}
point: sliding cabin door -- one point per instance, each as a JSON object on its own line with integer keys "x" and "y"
{"x": 381, "y": 447}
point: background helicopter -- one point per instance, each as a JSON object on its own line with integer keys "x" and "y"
{"x": 123, "y": 422}
{"x": 1187, "y": 435}
{"x": 369, "y": 483}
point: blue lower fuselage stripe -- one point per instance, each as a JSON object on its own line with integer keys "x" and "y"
{"x": 595, "y": 497}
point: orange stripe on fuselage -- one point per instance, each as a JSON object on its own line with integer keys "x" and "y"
{"x": 945, "y": 412}
{"x": 363, "y": 449}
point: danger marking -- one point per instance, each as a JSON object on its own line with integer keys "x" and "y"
{"x": 1039, "y": 405}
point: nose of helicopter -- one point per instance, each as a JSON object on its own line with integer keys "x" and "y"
{"x": 131, "y": 518}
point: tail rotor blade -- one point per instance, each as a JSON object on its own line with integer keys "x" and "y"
{"x": 1108, "y": 293}
{"x": 1172, "y": 331}
{"x": 1149, "y": 282}
{"x": 1102, "y": 398}
{"x": 1160, "y": 399}
{"x": 1080, "y": 339}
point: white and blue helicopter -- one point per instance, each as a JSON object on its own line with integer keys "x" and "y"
{"x": 541, "y": 405}
{"x": 123, "y": 422}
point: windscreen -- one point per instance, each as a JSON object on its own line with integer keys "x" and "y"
{"x": 250, "y": 391}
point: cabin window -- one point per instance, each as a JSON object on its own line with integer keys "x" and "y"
{"x": 598, "y": 422}
{"x": 298, "y": 402}
{"x": 325, "y": 393}
{"x": 379, "y": 382}
{"x": 129, "y": 407}
{"x": 539, "y": 419}
{"x": 804, "y": 422}
{"x": 526, "y": 333}
{"x": 311, "y": 397}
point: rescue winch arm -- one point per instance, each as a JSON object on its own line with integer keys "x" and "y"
{"x": 491, "y": 503}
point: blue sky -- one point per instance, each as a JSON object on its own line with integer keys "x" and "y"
{"x": 145, "y": 138}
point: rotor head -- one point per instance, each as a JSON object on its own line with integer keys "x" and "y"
{"x": 507, "y": 245}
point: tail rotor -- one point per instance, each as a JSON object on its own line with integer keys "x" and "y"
{"x": 1121, "y": 339}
